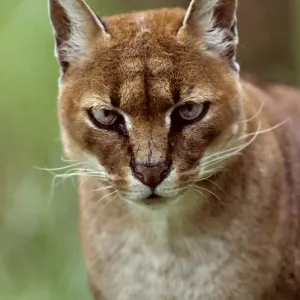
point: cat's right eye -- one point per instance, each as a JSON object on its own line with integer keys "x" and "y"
{"x": 107, "y": 119}
{"x": 104, "y": 116}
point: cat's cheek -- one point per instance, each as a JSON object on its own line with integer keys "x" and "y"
{"x": 170, "y": 187}
{"x": 137, "y": 191}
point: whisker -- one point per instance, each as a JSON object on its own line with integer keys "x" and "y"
{"x": 215, "y": 184}
{"x": 58, "y": 169}
{"x": 191, "y": 188}
{"x": 202, "y": 195}
{"x": 103, "y": 188}
{"x": 205, "y": 178}
{"x": 104, "y": 197}
{"x": 255, "y": 115}
{"x": 233, "y": 148}
{"x": 222, "y": 158}
{"x": 83, "y": 174}
{"x": 85, "y": 171}
{"x": 76, "y": 168}
{"x": 68, "y": 160}
{"x": 213, "y": 170}
{"x": 233, "y": 153}
{"x": 268, "y": 129}
{"x": 108, "y": 203}
{"x": 206, "y": 159}
{"x": 59, "y": 178}
{"x": 209, "y": 191}
{"x": 245, "y": 145}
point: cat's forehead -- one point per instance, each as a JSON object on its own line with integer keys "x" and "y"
{"x": 141, "y": 73}
{"x": 162, "y": 22}
{"x": 142, "y": 77}
{"x": 142, "y": 85}
{"x": 145, "y": 70}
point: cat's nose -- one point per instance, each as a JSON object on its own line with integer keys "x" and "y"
{"x": 151, "y": 174}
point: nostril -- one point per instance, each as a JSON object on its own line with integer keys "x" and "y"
{"x": 166, "y": 171}
{"x": 164, "y": 174}
{"x": 139, "y": 176}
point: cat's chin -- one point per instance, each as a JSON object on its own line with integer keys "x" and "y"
{"x": 155, "y": 202}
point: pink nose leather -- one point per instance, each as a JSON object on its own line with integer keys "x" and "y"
{"x": 151, "y": 175}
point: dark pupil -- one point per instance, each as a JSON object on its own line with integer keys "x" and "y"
{"x": 107, "y": 113}
{"x": 188, "y": 108}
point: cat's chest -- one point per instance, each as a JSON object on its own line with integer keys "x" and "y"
{"x": 165, "y": 270}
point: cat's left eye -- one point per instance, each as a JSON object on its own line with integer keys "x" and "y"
{"x": 190, "y": 111}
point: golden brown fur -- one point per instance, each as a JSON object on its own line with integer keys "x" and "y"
{"x": 237, "y": 183}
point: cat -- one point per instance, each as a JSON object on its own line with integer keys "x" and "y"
{"x": 189, "y": 174}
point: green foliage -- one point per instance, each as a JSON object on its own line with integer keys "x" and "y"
{"x": 40, "y": 255}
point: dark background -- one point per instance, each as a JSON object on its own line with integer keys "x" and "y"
{"x": 39, "y": 246}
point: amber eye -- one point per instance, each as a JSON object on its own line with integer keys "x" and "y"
{"x": 107, "y": 119}
{"x": 190, "y": 111}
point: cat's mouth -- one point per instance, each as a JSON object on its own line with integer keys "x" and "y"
{"x": 155, "y": 201}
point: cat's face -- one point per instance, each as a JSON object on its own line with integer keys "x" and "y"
{"x": 149, "y": 105}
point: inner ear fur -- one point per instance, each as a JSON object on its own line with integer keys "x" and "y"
{"x": 214, "y": 24}
{"x": 76, "y": 27}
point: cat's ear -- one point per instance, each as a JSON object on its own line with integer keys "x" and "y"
{"x": 76, "y": 28}
{"x": 214, "y": 22}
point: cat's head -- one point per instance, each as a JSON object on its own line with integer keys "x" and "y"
{"x": 151, "y": 100}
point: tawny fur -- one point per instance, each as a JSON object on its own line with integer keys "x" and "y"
{"x": 229, "y": 224}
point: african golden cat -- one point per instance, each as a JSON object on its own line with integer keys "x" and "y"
{"x": 190, "y": 184}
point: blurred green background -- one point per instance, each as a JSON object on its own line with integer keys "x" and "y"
{"x": 40, "y": 255}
